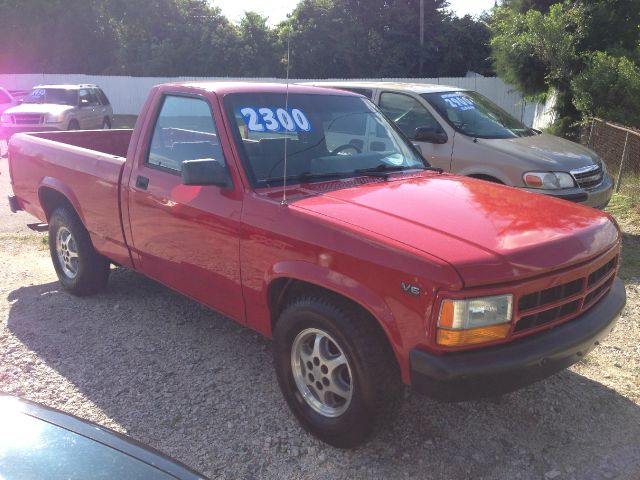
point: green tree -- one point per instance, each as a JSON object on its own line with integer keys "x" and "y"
{"x": 466, "y": 48}
{"x": 260, "y": 53}
{"x": 609, "y": 87}
{"x": 539, "y": 51}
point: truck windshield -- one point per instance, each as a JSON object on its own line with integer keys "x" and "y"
{"x": 327, "y": 136}
{"x": 474, "y": 115}
{"x": 58, "y": 96}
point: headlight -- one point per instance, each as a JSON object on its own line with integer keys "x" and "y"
{"x": 5, "y": 118}
{"x": 54, "y": 117}
{"x": 548, "y": 180}
{"x": 474, "y": 320}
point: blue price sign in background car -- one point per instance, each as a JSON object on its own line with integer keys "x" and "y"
{"x": 260, "y": 119}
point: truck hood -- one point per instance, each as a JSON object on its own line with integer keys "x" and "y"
{"x": 546, "y": 152}
{"x": 489, "y": 233}
{"x": 40, "y": 108}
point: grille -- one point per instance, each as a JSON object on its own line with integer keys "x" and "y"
{"x": 564, "y": 300}
{"x": 27, "y": 119}
{"x": 588, "y": 177}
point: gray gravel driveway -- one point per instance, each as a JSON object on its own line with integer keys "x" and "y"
{"x": 148, "y": 362}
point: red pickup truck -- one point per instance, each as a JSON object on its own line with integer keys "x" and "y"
{"x": 305, "y": 214}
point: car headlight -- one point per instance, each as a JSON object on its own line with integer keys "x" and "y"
{"x": 54, "y": 117}
{"x": 548, "y": 180}
{"x": 474, "y": 320}
{"x": 5, "y": 118}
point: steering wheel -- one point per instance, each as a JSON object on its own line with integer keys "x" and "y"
{"x": 337, "y": 150}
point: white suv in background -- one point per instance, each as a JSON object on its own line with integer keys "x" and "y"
{"x": 58, "y": 107}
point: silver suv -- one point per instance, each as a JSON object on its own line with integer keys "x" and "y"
{"x": 463, "y": 132}
{"x": 58, "y": 107}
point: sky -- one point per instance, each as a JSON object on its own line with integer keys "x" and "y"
{"x": 277, "y": 10}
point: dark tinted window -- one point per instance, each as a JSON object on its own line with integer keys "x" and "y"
{"x": 407, "y": 113}
{"x": 88, "y": 98}
{"x": 185, "y": 130}
{"x": 103, "y": 98}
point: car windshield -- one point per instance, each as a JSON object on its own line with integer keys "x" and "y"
{"x": 326, "y": 136}
{"x": 474, "y": 115}
{"x": 58, "y": 96}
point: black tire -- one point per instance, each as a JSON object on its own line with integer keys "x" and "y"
{"x": 89, "y": 273}
{"x": 106, "y": 123}
{"x": 376, "y": 388}
{"x": 73, "y": 125}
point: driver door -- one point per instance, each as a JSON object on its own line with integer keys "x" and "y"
{"x": 186, "y": 236}
{"x": 408, "y": 114}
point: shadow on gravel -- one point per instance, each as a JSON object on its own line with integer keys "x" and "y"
{"x": 202, "y": 389}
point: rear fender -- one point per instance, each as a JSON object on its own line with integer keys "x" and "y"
{"x": 63, "y": 189}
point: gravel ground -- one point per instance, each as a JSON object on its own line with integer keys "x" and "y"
{"x": 147, "y": 362}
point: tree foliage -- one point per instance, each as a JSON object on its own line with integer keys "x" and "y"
{"x": 566, "y": 46}
{"x": 609, "y": 87}
{"x": 328, "y": 38}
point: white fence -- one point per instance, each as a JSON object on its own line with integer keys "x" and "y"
{"x": 127, "y": 94}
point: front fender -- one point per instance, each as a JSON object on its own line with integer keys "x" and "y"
{"x": 343, "y": 285}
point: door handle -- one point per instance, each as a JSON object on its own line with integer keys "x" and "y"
{"x": 142, "y": 182}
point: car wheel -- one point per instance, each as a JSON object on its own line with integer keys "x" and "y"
{"x": 335, "y": 369}
{"x": 106, "y": 124}
{"x": 81, "y": 270}
{"x": 73, "y": 125}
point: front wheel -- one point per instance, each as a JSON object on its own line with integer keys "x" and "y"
{"x": 335, "y": 369}
{"x": 81, "y": 270}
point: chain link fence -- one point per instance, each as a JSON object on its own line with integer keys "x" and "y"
{"x": 619, "y": 148}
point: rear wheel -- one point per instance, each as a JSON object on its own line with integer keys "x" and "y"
{"x": 106, "y": 124}
{"x": 81, "y": 270}
{"x": 335, "y": 369}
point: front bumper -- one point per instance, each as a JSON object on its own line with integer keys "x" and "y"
{"x": 508, "y": 367}
{"x": 597, "y": 197}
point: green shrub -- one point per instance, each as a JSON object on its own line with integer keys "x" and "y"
{"x": 608, "y": 87}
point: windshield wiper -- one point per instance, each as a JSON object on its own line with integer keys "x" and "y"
{"x": 306, "y": 176}
{"x": 384, "y": 170}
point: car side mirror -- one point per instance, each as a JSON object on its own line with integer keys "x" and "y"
{"x": 206, "y": 171}
{"x": 430, "y": 135}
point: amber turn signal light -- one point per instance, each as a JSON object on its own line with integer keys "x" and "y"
{"x": 473, "y": 336}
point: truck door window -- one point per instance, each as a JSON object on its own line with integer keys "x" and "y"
{"x": 407, "y": 113}
{"x": 184, "y": 130}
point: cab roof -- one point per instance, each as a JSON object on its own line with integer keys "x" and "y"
{"x": 223, "y": 88}
{"x": 418, "y": 88}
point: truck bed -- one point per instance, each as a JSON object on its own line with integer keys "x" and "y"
{"x": 85, "y": 166}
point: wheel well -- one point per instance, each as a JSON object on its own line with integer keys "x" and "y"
{"x": 283, "y": 290}
{"x": 487, "y": 178}
{"x": 51, "y": 199}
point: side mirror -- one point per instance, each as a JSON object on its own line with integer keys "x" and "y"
{"x": 207, "y": 171}
{"x": 429, "y": 134}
